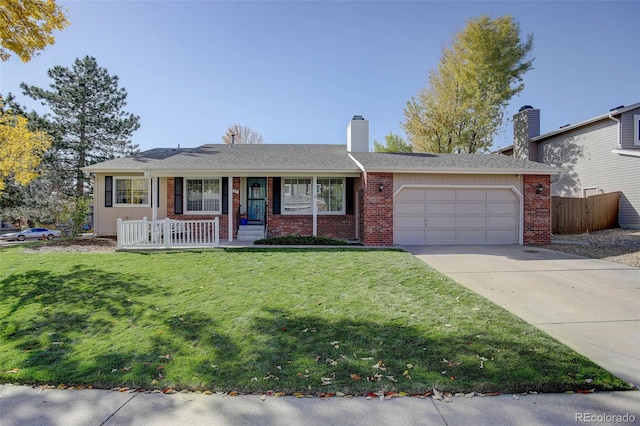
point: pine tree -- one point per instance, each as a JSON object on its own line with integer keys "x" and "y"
{"x": 87, "y": 120}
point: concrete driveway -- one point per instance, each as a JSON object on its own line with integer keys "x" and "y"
{"x": 590, "y": 305}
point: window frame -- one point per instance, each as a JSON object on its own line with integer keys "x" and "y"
{"x": 185, "y": 201}
{"x": 131, "y": 178}
{"x": 636, "y": 130}
{"x": 286, "y": 190}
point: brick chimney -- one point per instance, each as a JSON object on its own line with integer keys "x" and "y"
{"x": 358, "y": 134}
{"x": 526, "y": 125}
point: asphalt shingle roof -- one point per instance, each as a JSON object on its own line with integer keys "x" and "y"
{"x": 294, "y": 158}
{"x": 448, "y": 163}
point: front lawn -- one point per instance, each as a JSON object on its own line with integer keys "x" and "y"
{"x": 253, "y": 320}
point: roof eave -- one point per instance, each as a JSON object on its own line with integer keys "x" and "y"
{"x": 470, "y": 171}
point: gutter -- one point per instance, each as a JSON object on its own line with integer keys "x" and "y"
{"x": 617, "y": 120}
{"x": 360, "y": 166}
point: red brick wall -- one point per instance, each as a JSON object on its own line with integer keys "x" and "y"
{"x": 537, "y": 210}
{"x": 331, "y": 226}
{"x": 377, "y": 209}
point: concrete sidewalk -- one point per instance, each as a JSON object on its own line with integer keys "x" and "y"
{"x": 26, "y": 406}
{"x": 590, "y": 305}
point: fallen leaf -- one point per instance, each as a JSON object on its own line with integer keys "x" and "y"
{"x": 409, "y": 366}
{"x": 160, "y": 367}
{"x": 452, "y": 378}
{"x": 12, "y": 371}
{"x": 263, "y": 397}
{"x": 207, "y": 392}
{"x": 469, "y": 395}
{"x": 299, "y": 395}
{"x": 371, "y": 395}
{"x": 390, "y": 394}
{"x": 340, "y": 394}
{"x": 169, "y": 391}
{"x": 586, "y": 391}
{"x": 123, "y": 389}
{"x": 393, "y": 379}
{"x": 356, "y": 377}
{"x": 154, "y": 382}
{"x": 437, "y": 394}
{"x": 126, "y": 368}
{"x": 233, "y": 393}
{"x": 165, "y": 356}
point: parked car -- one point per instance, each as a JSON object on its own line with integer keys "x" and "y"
{"x": 31, "y": 233}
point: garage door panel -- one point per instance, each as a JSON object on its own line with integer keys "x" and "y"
{"x": 440, "y": 195}
{"x": 471, "y": 236}
{"x": 471, "y": 222}
{"x": 412, "y": 209}
{"x": 410, "y": 222}
{"x": 439, "y": 222}
{"x": 456, "y": 216}
{"x": 471, "y": 194}
{"x": 508, "y": 222}
{"x": 500, "y": 195}
{"x": 471, "y": 208}
{"x": 410, "y": 237}
{"x": 440, "y": 237}
{"x": 502, "y": 209}
{"x": 411, "y": 194}
{"x": 440, "y": 208}
{"x": 498, "y": 236}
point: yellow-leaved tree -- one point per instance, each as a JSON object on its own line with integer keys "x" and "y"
{"x": 26, "y": 26}
{"x": 21, "y": 150}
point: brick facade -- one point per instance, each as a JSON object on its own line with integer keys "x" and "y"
{"x": 330, "y": 226}
{"x": 224, "y": 218}
{"x": 376, "y": 209}
{"x": 537, "y": 210}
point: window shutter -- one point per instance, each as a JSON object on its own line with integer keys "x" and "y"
{"x": 276, "y": 195}
{"x": 225, "y": 195}
{"x": 108, "y": 191}
{"x": 349, "y": 195}
{"x": 178, "y": 190}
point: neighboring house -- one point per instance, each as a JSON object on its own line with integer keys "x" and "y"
{"x": 601, "y": 155}
{"x": 379, "y": 199}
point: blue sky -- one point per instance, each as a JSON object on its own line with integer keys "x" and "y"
{"x": 297, "y": 71}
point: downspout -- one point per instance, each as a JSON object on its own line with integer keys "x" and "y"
{"x": 230, "y": 208}
{"x": 617, "y": 120}
{"x": 314, "y": 206}
{"x": 357, "y": 200}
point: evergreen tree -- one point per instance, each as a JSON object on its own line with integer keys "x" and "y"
{"x": 87, "y": 120}
{"x": 462, "y": 108}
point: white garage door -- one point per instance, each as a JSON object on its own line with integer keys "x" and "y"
{"x": 456, "y": 216}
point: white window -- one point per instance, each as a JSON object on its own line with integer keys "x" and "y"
{"x": 331, "y": 196}
{"x": 131, "y": 191}
{"x": 203, "y": 196}
{"x": 636, "y": 130}
{"x": 298, "y": 196}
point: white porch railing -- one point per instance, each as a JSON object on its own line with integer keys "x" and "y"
{"x": 168, "y": 233}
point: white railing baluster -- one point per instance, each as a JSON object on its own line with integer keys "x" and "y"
{"x": 168, "y": 233}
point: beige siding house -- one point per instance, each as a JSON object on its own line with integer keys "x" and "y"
{"x": 600, "y": 155}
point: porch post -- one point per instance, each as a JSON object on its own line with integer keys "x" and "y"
{"x": 231, "y": 209}
{"x": 314, "y": 207}
{"x": 154, "y": 193}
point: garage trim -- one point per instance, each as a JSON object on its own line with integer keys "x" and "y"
{"x": 510, "y": 187}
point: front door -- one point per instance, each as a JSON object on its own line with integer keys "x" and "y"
{"x": 256, "y": 199}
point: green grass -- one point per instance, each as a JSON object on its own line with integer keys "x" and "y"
{"x": 252, "y": 320}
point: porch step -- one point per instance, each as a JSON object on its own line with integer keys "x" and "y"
{"x": 250, "y": 232}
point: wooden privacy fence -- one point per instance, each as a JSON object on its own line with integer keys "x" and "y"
{"x": 580, "y": 215}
